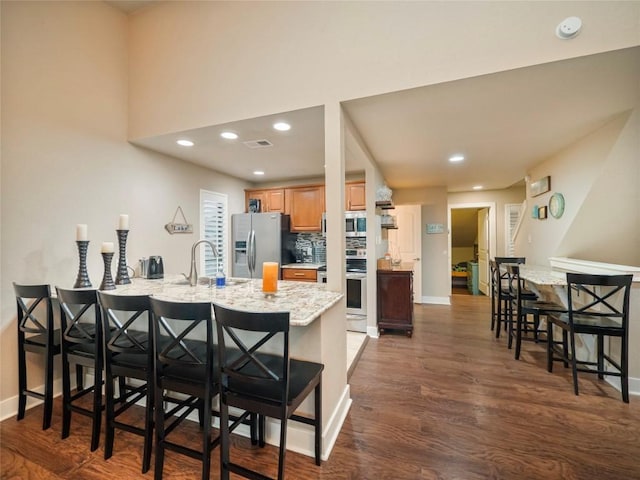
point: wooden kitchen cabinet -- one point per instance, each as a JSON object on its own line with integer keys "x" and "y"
{"x": 355, "y": 196}
{"x": 305, "y": 205}
{"x": 271, "y": 199}
{"x": 395, "y": 300}
{"x": 300, "y": 274}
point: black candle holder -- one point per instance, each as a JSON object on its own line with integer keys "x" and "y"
{"x": 107, "y": 279}
{"x": 82, "y": 281}
{"x": 122, "y": 275}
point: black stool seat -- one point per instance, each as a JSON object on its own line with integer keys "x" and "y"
{"x": 128, "y": 351}
{"x": 36, "y": 334}
{"x": 597, "y": 305}
{"x": 502, "y": 289}
{"x": 186, "y": 364}
{"x": 82, "y": 345}
{"x": 525, "y": 306}
{"x": 261, "y": 381}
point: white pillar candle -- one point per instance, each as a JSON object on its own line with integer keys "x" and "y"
{"x": 107, "y": 247}
{"x": 81, "y": 232}
{"x": 123, "y": 224}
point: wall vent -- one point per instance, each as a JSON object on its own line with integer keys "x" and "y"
{"x": 258, "y": 143}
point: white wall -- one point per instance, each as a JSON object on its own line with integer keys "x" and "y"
{"x": 599, "y": 177}
{"x": 204, "y": 63}
{"x": 66, "y": 160}
{"x": 251, "y": 59}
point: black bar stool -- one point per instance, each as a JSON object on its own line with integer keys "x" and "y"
{"x": 81, "y": 346}
{"x": 37, "y": 334}
{"x": 597, "y": 305}
{"x": 185, "y": 363}
{"x": 525, "y": 306}
{"x": 504, "y": 312}
{"x": 254, "y": 378}
{"x": 128, "y": 350}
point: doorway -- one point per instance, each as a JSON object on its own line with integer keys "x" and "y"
{"x": 484, "y": 218}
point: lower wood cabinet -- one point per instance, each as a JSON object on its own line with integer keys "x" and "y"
{"x": 395, "y": 300}
{"x": 300, "y": 274}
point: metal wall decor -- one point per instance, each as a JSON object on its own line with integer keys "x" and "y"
{"x": 174, "y": 227}
{"x": 540, "y": 186}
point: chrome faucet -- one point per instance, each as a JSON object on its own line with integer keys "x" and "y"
{"x": 193, "y": 274}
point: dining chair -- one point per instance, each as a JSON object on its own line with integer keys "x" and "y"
{"x": 598, "y": 305}
{"x": 128, "y": 354}
{"x": 186, "y": 380}
{"x": 257, "y": 374}
{"x": 36, "y": 334}
{"x": 82, "y": 346}
{"x": 524, "y": 307}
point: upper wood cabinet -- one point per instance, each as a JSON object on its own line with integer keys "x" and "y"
{"x": 305, "y": 205}
{"x": 355, "y": 196}
{"x": 271, "y": 199}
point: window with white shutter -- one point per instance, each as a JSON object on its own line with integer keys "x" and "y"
{"x": 213, "y": 227}
{"x": 514, "y": 213}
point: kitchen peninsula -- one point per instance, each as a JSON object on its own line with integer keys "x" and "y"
{"x": 317, "y": 319}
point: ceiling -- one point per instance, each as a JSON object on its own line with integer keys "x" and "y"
{"x": 504, "y": 123}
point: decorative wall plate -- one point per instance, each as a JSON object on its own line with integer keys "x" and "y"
{"x": 556, "y": 205}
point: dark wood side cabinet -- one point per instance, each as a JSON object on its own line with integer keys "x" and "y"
{"x": 395, "y": 300}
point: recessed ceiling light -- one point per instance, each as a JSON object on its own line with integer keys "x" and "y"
{"x": 456, "y": 158}
{"x": 258, "y": 172}
{"x": 229, "y": 135}
{"x": 282, "y": 126}
{"x": 477, "y": 187}
{"x": 185, "y": 143}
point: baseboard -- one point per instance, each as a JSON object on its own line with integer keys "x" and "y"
{"x": 634, "y": 384}
{"x": 9, "y": 406}
{"x": 372, "y": 332}
{"x": 437, "y": 300}
{"x": 300, "y": 437}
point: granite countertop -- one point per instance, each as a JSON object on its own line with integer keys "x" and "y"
{"x": 304, "y": 266}
{"x": 541, "y": 275}
{"x": 403, "y": 267}
{"x": 305, "y": 301}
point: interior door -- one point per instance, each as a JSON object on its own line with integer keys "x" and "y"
{"x": 483, "y": 250}
{"x": 407, "y": 242}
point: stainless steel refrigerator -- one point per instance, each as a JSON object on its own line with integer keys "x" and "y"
{"x": 258, "y": 238}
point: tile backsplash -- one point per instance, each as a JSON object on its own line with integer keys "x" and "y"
{"x": 311, "y": 247}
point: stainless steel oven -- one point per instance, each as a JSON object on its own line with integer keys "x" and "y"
{"x": 356, "y": 286}
{"x": 356, "y": 293}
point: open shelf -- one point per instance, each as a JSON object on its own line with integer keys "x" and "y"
{"x": 385, "y": 205}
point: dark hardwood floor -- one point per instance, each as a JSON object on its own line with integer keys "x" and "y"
{"x": 448, "y": 403}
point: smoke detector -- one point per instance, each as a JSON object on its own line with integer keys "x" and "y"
{"x": 569, "y": 28}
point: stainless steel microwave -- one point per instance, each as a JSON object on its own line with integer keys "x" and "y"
{"x": 355, "y": 224}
